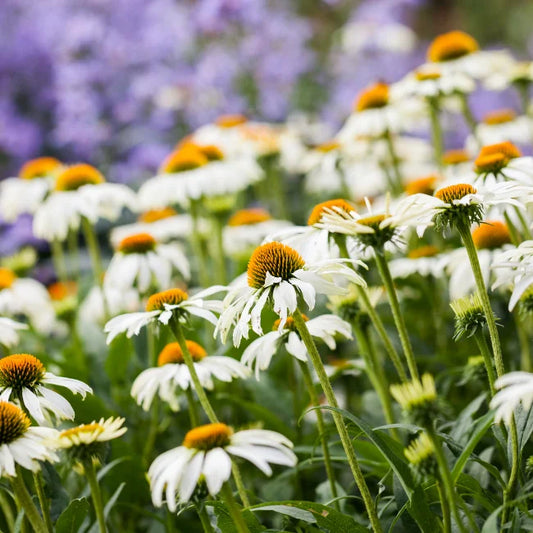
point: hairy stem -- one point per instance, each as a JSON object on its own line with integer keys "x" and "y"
{"x": 339, "y": 421}
{"x": 386, "y": 277}
{"x": 308, "y": 380}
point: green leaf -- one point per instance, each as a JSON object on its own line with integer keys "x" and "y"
{"x": 225, "y": 522}
{"x": 462, "y": 427}
{"x": 119, "y": 356}
{"x": 326, "y": 518}
{"x": 108, "y": 507}
{"x": 72, "y": 517}
{"x": 393, "y": 453}
{"x": 483, "y": 426}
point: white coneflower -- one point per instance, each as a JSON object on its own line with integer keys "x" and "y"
{"x": 375, "y": 114}
{"x": 27, "y": 297}
{"x": 239, "y": 137}
{"x": 192, "y": 172}
{"x": 140, "y": 261}
{"x": 172, "y": 375}
{"x": 20, "y": 443}
{"x": 259, "y": 353}
{"x": 207, "y": 452}
{"x": 24, "y": 380}
{"x": 162, "y": 306}
{"x": 459, "y": 203}
{"x": 503, "y": 161}
{"x": 25, "y": 193}
{"x": 247, "y": 228}
{"x": 430, "y": 82}
{"x": 499, "y": 126}
{"x": 312, "y": 241}
{"x": 80, "y": 191}
{"x": 278, "y": 275}
{"x": 457, "y": 52}
{"x": 163, "y": 224}
{"x": 87, "y": 441}
{"x": 9, "y": 331}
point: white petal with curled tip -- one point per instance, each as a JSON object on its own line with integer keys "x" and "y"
{"x": 129, "y": 323}
{"x": 75, "y": 385}
{"x": 250, "y": 454}
{"x": 260, "y": 436}
{"x": 216, "y": 469}
{"x": 59, "y": 405}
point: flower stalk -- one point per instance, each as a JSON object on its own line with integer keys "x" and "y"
{"x": 386, "y": 277}
{"x": 362, "y": 294}
{"x": 43, "y": 501}
{"x": 339, "y": 422}
{"x": 90, "y": 474}
{"x": 25, "y": 502}
{"x": 308, "y": 380}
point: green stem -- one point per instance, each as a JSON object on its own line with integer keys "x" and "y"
{"x": 43, "y": 502}
{"x": 513, "y": 232}
{"x": 446, "y": 519}
{"x": 240, "y": 485}
{"x": 197, "y": 245}
{"x": 73, "y": 249}
{"x": 523, "y": 90}
{"x": 514, "y": 469}
{"x": 397, "y": 186}
{"x": 93, "y": 249}
{"x": 487, "y": 359}
{"x": 90, "y": 474}
{"x": 96, "y": 260}
{"x": 375, "y": 372}
{"x": 25, "y": 502}
{"x": 308, "y": 380}
{"x": 193, "y": 414}
{"x": 362, "y": 295}
{"x": 446, "y": 478}
{"x": 468, "y": 116}
{"x": 339, "y": 421}
{"x": 436, "y": 130}
{"x": 204, "y": 518}
{"x": 58, "y": 258}
{"x": 176, "y": 328}
{"x": 234, "y": 509}
{"x": 221, "y": 275}
{"x": 525, "y": 226}
{"x": 5, "y": 505}
{"x": 275, "y": 186}
{"x": 386, "y": 277}
{"x": 468, "y": 243}
{"x": 523, "y": 337}
{"x": 152, "y": 431}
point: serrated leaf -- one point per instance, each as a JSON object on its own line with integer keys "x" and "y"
{"x": 73, "y": 516}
